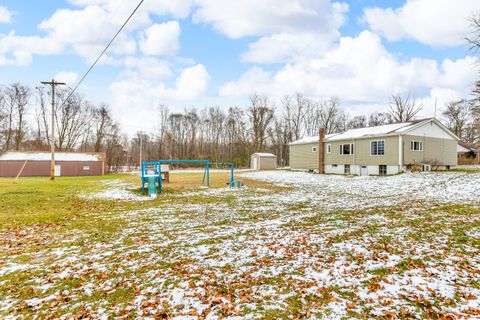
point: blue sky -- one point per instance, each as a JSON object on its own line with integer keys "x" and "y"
{"x": 212, "y": 52}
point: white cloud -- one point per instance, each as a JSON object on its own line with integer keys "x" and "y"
{"x": 88, "y": 29}
{"x": 18, "y": 50}
{"x": 360, "y": 71}
{"x": 136, "y": 97}
{"x": 177, "y": 8}
{"x": 147, "y": 68}
{"x": 68, "y": 77}
{"x": 5, "y": 15}
{"x": 288, "y": 29}
{"x": 161, "y": 39}
{"x": 258, "y": 18}
{"x": 285, "y": 47}
{"x": 432, "y": 22}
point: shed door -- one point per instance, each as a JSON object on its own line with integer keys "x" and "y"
{"x": 255, "y": 164}
{"x": 363, "y": 170}
{"x": 58, "y": 170}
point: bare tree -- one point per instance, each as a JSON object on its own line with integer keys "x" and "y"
{"x": 331, "y": 115}
{"x": 71, "y": 120}
{"x": 379, "y": 119}
{"x": 101, "y": 124}
{"x": 357, "y": 122}
{"x": 3, "y": 119}
{"x": 458, "y": 114}
{"x": 163, "y": 114}
{"x": 294, "y": 108}
{"x": 17, "y": 97}
{"x": 403, "y": 109}
{"x": 260, "y": 115}
{"x": 474, "y": 39}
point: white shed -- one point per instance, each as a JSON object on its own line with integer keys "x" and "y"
{"x": 263, "y": 161}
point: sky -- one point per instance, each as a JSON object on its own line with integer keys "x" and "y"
{"x": 196, "y": 53}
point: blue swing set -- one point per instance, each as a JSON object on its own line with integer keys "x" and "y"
{"x": 152, "y": 173}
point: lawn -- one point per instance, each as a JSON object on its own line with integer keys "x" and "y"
{"x": 287, "y": 245}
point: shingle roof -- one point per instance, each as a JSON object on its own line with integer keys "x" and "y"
{"x": 312, "y": 139}
{"x": 388, "y": 129}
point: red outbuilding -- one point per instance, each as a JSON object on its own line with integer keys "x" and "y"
{"x": 33, "y": 164}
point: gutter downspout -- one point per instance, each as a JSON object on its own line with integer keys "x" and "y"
{"x": 400, "y": 153}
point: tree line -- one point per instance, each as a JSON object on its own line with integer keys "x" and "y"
{"x": 214, "y": 133}
{"x": 25, "y": 123}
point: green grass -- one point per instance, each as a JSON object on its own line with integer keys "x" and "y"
{"x": 55, "y": 217}
{"x": 39, "y": 200}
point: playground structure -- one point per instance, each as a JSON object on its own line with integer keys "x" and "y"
{"x": 152, "y": 173}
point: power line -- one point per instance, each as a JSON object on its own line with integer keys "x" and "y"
{"x": 103, "y": 52}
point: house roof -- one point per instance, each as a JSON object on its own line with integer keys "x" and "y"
{"x": 464, "y": 147}
{"x": 312, "y": 139}
{"x": 377, "y": 131}
{"x": 265, "y": 155}
{"x": 46, "y": 156}
{"x": 388, "y": 129}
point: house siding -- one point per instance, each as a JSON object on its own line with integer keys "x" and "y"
{"x": 302, "y": 157}
{"x": 439, "y": 148}
{"x": 435, "y": 150}
{"x": 361, "y": 154}
{"x": 10, "y": 168}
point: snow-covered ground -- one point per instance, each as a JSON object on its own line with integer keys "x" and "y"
{"x": 456, "y": 187}
{"x": 325, "y": 247}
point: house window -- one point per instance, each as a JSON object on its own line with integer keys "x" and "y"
{"x": 426, "y": 167}
{"x": 334, "y": 165}
{"x": 314, "y": 149}
{"x": 329, "y": 148}
{"x": 346, "y": 169}
{"x": 86, "y": 168}
{"x": 346, "y": 148}
{"x": 382, "y": 170}
{"x": 416, "y": 145}
{"x": 377, "y": 148}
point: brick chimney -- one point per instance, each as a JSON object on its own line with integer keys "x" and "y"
{"x": 321, "y": 151}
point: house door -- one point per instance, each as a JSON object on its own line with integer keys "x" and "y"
{"x": 363, "y": 170}
{"x": 255, "y": 164}
{"x": 58, "y": 170}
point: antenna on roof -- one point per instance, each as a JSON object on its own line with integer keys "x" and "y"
{"x": 435, "y": 113}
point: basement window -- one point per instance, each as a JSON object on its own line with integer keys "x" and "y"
{"x": 346, "y": 148}
{"x": 416, "y": 145}
{"x": 346, "y": 169}
{"x": 382, "y": 170}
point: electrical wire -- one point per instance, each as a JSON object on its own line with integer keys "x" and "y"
{"x": 103, "y": 52}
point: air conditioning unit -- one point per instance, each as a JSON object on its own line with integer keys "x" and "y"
{"x": 426, "y": 167}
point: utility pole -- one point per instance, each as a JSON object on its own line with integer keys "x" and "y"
{"x": 53, "y": 83}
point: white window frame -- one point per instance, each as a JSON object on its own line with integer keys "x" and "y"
{"x": 314, "y": 149}
{"x": 384, "y": 148}
{"x": 329, "y": 148}
{"x": 345, "y": 166}
{"x": 412, "y": 145}
{"x": 351, "y": 149}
